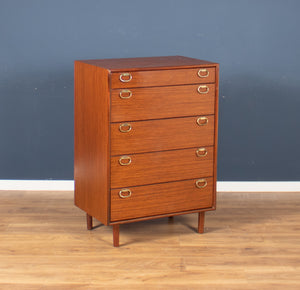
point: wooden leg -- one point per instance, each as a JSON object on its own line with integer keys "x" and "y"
{"x": 170, "y": 219}
{"x": 116, "y": 230}
{"x": 89, "y": 222}
{"x": 201, "y": 222}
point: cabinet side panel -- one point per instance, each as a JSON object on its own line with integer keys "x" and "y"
{"x": 91, "y": 140}
{"x": 216, "y": 133}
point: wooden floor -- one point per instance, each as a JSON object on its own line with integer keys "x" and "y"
{"x": 252, "y": 241}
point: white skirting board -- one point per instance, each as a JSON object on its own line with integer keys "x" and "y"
{"x": 258, "y": 186}
{"x": 222, "y": 186}
{"x": 40, "y": 185}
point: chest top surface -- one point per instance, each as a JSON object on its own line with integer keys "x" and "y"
{"x": 148, "y": 63}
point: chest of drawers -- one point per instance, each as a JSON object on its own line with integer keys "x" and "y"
{"x": 145, "y": 139}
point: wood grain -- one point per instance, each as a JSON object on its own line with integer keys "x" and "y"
{"x": 91, "y": 140}
{"x": 163, "y": 78}
{"x": 149, "y": 63}
{"x": 149, "y": 168}
{"x": 163, "y": 134}
{"x": 250, "y": 242}
{"x": 89, "y": 222}
{"x": 161, "y": 198}
{"x": 201, "y": 217}
{"x": 162, "y": 102}
{"x": 116, "y": 235}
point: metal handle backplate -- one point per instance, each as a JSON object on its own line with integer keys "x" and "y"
{"x": 125, "y": 193}
{"x": 203, "y": 89}
{"x": 125, "y": 94}
{"x": 201, "y": 152}
{"x": 125, "y": 160}
{"x": 201, "y": 121}
{"x": 125, "y": 77}
{"x": 203, "y": 73}
{"x": 125, "y": 127}
{"x": 201, "y": 183}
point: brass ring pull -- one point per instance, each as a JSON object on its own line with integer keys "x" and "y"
{"x": 201, "y": 152}
{"x": 201, "y": 121}
{"x": 203, "y": 73}
{"x": 125, "y": 193}
{"x": 122, "y": 96}
{"x": 201, "y": 183}
{"x": 125, "y": 77}
{"x": 203, "y": 87}
{"x": 125, "y": 160}
{"x": 125, "y": 127}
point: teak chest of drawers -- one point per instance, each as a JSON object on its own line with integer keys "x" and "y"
{"x": 145, "y": 138}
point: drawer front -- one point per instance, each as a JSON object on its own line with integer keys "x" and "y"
{"x": 162, "y": 102}
{"x": 162, "y": 77}
{"x": 164, "y": 198}
{"x": 165, "y": 166}
{"x": 164, "y": 134}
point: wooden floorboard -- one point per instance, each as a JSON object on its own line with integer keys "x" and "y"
{"x": 252, "y": 241}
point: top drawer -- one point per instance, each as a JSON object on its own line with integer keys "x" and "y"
{"x": 162, "y": 77}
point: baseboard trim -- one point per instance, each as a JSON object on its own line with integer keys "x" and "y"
{"x": 258, "y": 186}
{"x": 37, "y": 185}
{"x": 222, "y": 186}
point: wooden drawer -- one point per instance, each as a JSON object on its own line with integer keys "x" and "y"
{"x": 149, "y": 168}
{"x": 163, "y": 134}
{"x": 162, "y": 77}
{"x": 161, "y": 198}
{"x": 162, "y": 102}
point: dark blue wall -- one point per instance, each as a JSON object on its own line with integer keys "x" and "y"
{"x": 257, "y": 44}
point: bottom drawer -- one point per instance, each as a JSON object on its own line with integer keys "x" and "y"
{"x": 163, "y": 198}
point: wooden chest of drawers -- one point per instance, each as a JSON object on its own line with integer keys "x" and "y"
{"x": 145, "y": 138}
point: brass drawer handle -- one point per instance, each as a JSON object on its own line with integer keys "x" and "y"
{"x": 125, "y": 77}
{"x": 203, "y": 87}
{"x": 122, "y": 96}
{"x": 125, "y": 160}
{"x": 201, "y": 152}
{"x": 125, "y": 127}
{"x": 125, "y": 193}
{"x": 201, "y": 183}
{"x": 201, "y": 121}
{"x": 203, "y": 73}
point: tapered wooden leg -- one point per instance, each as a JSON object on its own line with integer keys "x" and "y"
{"x": 89, "y": 222}
{"x": 201, "y": 222}
{"x": 116, "y": 231}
